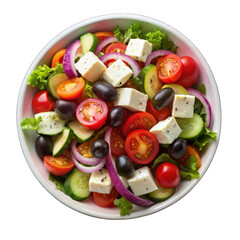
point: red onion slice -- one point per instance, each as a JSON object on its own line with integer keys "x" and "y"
{"x": 156, "y": 54}
{"x": 89, "y": 169}
{"x": 205, "y": 103}
{"x": 69, "y": 57}
{"x": 117, "y": 181}
{"x": 131, "y": 62}
{"x": 104, "y": 43}
{"x": 81, "y": 158}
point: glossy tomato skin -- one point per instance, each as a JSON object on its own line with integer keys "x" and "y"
{"x": 169, "y": 68}
{"x": 92, "y": 113}
{"x": 190, "y": 72}
{"x": 42, "y": 102}
{"x": 105, "y": 200}
{"x": 103, "y": 35}
{"x": 117, "y": 142}
{"x": 141, "y": 146}
{"x": 168, "y": 175}
{"x": 116, "y": 47}
{"x": 158, "y": 114}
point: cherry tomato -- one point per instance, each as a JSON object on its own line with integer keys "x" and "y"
{"x": 142, "y": 146}
{"x": 92, "y": 113}
{"x": 105, "y": 200}
{"x": 117, "y": 141}
{"x": 59, "y": 165}
{"x": 116, "y": 47}
{"x": 190, "y": 151}
{"x": 102, "y": 35}
{"x": 42, "y": 102}
{"x": 71, "y": 89}
{"x": 190, "y": 72}
{"x": 169, "y": 68}
{"x": 141, "y": 64}
{"x": 168, "y": 175}
{"x": 130, "y": 84}
{"x": 58, "y": 57}
{"x": 139, "y": 120}
{"x": 158, "y": 114}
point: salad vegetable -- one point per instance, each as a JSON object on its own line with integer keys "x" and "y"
{"x": 121, "y": 117}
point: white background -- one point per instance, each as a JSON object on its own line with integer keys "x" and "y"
{"x": 210, "y": 210}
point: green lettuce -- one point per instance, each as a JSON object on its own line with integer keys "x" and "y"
{"x": 124, "y": 206}
{"x": 31, "y": 123}
{"x": 59, "y": 182}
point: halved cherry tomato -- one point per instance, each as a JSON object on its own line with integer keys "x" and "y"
{"x": 71, "y": 89}
{"x": 158, "y": 114}
{"x": 130, "y": 84}
{"x": 58, "y": 57}
{"x": 169, "y": 68}
{"x": 42, "y": 102}
{"x": 116, "y": 47}
{"x": 105, "y": 200}
{"x": 142, "y": 146}
{"x": 190, "y": 151}
{"x": 59, "y": 165}
{"x": 92, "y": 113}
{"x": 139, "y": 120}
{"x": 117, "y": 141}
{"x": 102, "y": 35}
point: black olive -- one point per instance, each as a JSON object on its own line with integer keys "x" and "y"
{"x": 115, "y": 117}
{"x": 105, "y": 91}
{"x": 66, "y": 109}
{"x": 124, "y": 166}
{"x": 178, "y": 148}
{"x": 99, "y": 148}
{"x": 163, "y": 98}
{"x": 43, "y": 146}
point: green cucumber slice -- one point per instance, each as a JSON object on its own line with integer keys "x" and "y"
{"x": 152, "y": 84}
{"x": 62, "y": 141}
{"x": 192, "y": 128}
{"x": 89, "y": 42}
{"x": 53, "y": 81}
{"x": 178, "y": 89}
{"x": 77, "y": 185}
{"x": 81, "y": 133}
{"x": 161, "y": 194}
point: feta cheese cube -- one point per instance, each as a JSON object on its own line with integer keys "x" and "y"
{"x": 142, "y": 181}
{"x": 166, "y": 131}
{"x": 183, "y": 106}
{"x": 131, "y": 99}
{"x": 139, "y": 49}
{"x": 100, "y": 182}
{"x": 90, "y": 67}
{"x": 118, "y": 73}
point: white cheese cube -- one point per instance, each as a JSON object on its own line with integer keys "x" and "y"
{"x": 100, "y": 182}
{"x": 118, "y": 73}
{"x": 124, "y": 181}
{"x": 166, "y": 131}
{"x": 142, "y": 181}
{"x": 131, "y": 99}
{"x": 183, "y": 106}
{"x": 139, "y": 49}
{"x": 90, "y": 67}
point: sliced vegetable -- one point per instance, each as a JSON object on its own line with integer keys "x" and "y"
{"x": 58, "y": 57}
{"x": 156, "y": 54}
{"x": 116, "y": 47}
{"x": 158, "y": 114}
{"x": 102, "y": 35}
{"x": 117, "y": 140}
{"x": 104, "y": 43}
{"x": 178, "y": 89}
{"x": 89, "y": 42}
{"x": 105, "y": 200}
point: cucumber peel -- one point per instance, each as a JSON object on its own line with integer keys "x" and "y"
{"x": 89, "y": 42}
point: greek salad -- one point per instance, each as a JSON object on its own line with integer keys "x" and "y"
{"x": 120, "y": 118}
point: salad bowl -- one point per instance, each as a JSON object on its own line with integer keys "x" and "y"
{"x": 107, "y": 23}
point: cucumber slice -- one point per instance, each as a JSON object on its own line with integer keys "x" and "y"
{"x": 81, "y": 133}
{"x": 178, "y": 89}
{"x": 62, "y": 141}
{"x": 161, "y": 194}
{"x": 89, "y": 42}
{"x": 77, "y": 184}
{"x": 51, "y": 123}
{"x": 53, "y": 81}
{"x": 192, "y": 128}
{"x": 152, "y": 84}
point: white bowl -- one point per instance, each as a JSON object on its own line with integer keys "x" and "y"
{"x": 108, "y": 22}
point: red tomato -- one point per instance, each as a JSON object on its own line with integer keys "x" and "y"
{"x": 142, "y": 146}
{"x": 141, "y": 64}
{"x": 59, "y": 165}
{"x": 105, "y": 200}
{"x": 168, "y": 175}
{"x": 116, "y": 47}
{"x": 190, "y": 72}
{"x": 92, "y": 113}
{"x": 102, "y": 35}
{"x": 130, "y": 84}
{"x": 139, "y": 120}
{"x": 158, "y": 114}
{"x": 42, "y": 102}
{"x": 169, "y": 68}
{"x": 117, "y": 141}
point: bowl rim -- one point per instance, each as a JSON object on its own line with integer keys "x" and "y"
{"x": 23, "y": 88}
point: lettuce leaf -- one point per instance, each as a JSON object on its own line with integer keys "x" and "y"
{"x": 59, "y": 182}
{"x": 31, "y": 123}
{"x": 124, "y": 206}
